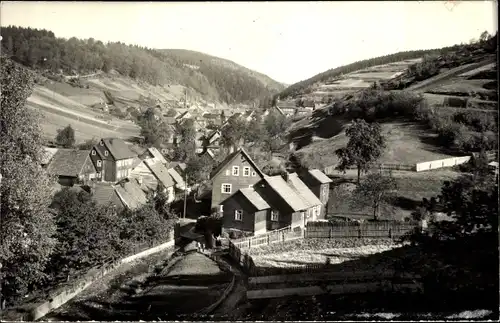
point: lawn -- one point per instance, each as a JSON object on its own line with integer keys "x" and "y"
{"x": 405, "y": 145}
{"x": 316, "y": 251}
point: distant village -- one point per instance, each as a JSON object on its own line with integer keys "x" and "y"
{"x": 123, "y": 174}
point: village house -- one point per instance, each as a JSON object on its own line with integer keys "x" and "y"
{"x": 287, "y": 108}
{"x": 72, "y": 166}
{"x": 127, "y": 194}
{"x": 150, "y": 173}
{"x": 319, "y": 184}
{"x": 275, "y": 202}
{"x": 113, "y": 159}
{"x": 237, "y": 171}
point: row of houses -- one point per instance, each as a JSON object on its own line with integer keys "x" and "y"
{"x": 251, "y": 201}
{"x": 112, "y": 172}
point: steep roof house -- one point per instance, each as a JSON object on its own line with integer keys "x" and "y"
{"x": 112, "y": 159}
{"x": 319, "y": 184}
{"x": 236, "y": 171}
{"x": 72, "y": 166}
{"x": 163, "y": 177}
{"x": 272, "y": 203}
{"x": 126, "y": 194}
{"x": 313, "y": 202}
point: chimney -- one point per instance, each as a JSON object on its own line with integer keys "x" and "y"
{"x": 231, "y": 149}
{"x": 139, "y": 180}
{"x": 285, "y": 176}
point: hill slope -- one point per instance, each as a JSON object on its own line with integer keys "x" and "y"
{"x": 215, "y": 80}
{"x": 77, "y": 79}
{"x": 459, "y": 87}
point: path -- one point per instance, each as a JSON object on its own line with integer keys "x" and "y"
{"x": 186, "y": 284}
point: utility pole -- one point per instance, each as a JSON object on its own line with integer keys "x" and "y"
{"x": 185, "y": 195}
{"x": 185, "y": 98}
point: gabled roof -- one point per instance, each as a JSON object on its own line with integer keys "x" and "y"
{"x": 304, "y": 192}
{"x": 231, "y": 157}
{"x": 176, "y": 177}
{"x": 118, "y": 148}
{"x": 320, "y": 176}
{"x": 157, "y": 155}
{"x": 131, "y": 194}
{"x": 68, "y": 162}
{"x": 211, "y": 116}
{"x": 254, "y": 198}
{"x": 289, "y": 195}
{"x": 102, "y": 193}
{"x": 160, "y": 172}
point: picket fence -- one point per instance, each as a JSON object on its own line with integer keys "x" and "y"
{"x": 441, "y": 163}
{"x": 280, "y": 235}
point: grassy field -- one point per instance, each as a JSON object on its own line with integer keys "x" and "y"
{"x": 316, "y": 251}
{"x": 412, "y": 187}
{"x": 405, "y": 145}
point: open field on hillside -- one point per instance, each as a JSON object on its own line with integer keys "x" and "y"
{"x": 411, "y": 188}
{"x": 316, "y": 251}
{"x": 51, "y": 122}
{"x": 405, "y": 145}
{"x": 360, "y": 79}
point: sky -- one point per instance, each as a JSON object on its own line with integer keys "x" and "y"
{"x": 288, "y": 41}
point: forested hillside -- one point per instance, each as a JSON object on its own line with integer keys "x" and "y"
{"x": 42, "y": 50}
{"x": 228, "y": 77}
{"x": 302, "y": 86}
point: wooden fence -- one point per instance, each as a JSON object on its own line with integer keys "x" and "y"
{"x": 328, "y": 230}
{"x": 280, "y": 235}
{"x": 243, "y": 259}
{"x": 330, "y": 170}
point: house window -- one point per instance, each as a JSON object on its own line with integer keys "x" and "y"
{"x": 118, "y": 163}
{"x": 246, "y": 171}
{"x": 254, "y": 174}
{"x": 238, "y": 215}
{"x": 98, "y": 174}
{"x": 101, "y": 143}
{"x": 227, "y": 172}
{"x": 93, "y": 152}
{"x": 317, "y": 211}
{"x": 226, "y": 188}
{"x": 99, "y": 163}
{"x": 105, "y": 153}
{"x": 236, "y": 170}
{"x": 275, "y": 215}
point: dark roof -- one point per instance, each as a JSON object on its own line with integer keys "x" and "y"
{"x": 68, "y": 162}
{"x": 253, "y": 197}
{"x": 160, "y": 172}
{"x": 118, "y": 148}
{"x": 286, "y": 104}
{"x": 230, "y": 158}
{"x": 131, "y": 194}
{"x": 320, "y": 176}
{"x": 211, "y": 116}
{"x": 102, "y": 193}
{"x": 286, "y": 192}
{"x": 305, "y": 193}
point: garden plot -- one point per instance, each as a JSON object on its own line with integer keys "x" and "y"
{"x": 300, "y": 253}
